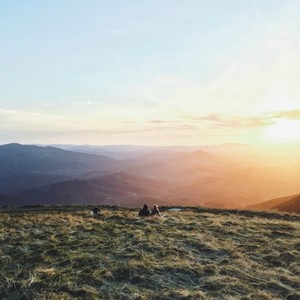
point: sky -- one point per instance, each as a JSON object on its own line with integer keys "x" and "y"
{"x": 159, "y": 72}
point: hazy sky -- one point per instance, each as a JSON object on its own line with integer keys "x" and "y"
{"x": 159, "y": 72}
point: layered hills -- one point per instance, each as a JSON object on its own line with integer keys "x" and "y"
{"x": 115, "y": 189}
{"x": 207, "y": 176}
{"x": 26, "y": 166}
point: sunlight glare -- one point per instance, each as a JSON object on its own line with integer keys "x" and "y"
{"x": 283, "y": 131}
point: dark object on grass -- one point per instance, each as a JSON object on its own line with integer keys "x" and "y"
{"x": 96, "y": 212}
{"x": 155, "y": 211}
{"x": 144, "y": 212}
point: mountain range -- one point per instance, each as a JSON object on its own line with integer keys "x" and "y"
{"x": 31, "y": 174}
{"x": 115, "y": 189}
{"x": 26, "y": 166}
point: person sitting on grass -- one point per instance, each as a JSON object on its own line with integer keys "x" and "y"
{"x": 155, "y": 211}
{"x": 96, "y": 212}
{"x": 144, "y": 212}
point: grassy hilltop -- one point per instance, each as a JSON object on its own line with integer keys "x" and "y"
{"x": 64, "y": 253}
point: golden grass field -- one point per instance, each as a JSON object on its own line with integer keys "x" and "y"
{"x": 197, "y": 253}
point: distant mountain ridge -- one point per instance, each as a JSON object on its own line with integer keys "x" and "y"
{"x": 26, "y": 166}
{"x": 117, "y": 189}
{"x": 289, "y": 204}
{"x": 181, "y": 176}
{"x": 40, "y": 159}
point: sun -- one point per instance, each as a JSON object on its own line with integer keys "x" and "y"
{"x": 283, "y": 132}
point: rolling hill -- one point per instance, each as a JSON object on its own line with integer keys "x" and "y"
{"x": 5, "y": 200}
{"x": 25, "y": 166}
{"x": 290, "y": 204}
{"x": 118, "y": 188}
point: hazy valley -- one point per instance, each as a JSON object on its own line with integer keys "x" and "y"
{"x": 229, "y": 176}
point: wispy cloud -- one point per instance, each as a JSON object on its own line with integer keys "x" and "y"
{"x": 157, "y": 122}
{"x": 38, "y": 121}
{"x": 134, "y": 130}
{"x": 238, "y": 122}
{"x": 291, "y": 114}
{"x": 170, "y": 124}
{"x": 244, "y": 122}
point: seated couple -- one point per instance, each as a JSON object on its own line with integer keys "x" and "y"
{"x": 144, "y": 212}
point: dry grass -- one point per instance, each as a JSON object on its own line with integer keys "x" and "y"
{"x": 63, "y": 253}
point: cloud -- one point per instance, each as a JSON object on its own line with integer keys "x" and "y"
{"x": 38, "y": 121}
{"x": 134, "y": 130}
{"x": 237, "y": 122}
{"x": 24, "y": 121}
{"x": 171, "y": 124}
{"x": 291, "y": 114}
{"x": 245, "y": 122}
{"x": 5, "y": 113}
{"x": 157, "y": 122}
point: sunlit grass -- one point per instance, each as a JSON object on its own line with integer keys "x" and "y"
{"x": 64, "y": 253}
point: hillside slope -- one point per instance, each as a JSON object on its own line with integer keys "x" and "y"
{"x": 5, "y": 200}
{"x": 289, "y": 204}
{"x": 118, "y": 188}
{"x": 64, "y": 253}
{"x": 26, "y": 166}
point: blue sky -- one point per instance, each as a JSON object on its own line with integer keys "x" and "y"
{"x": 148, "y": 72}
